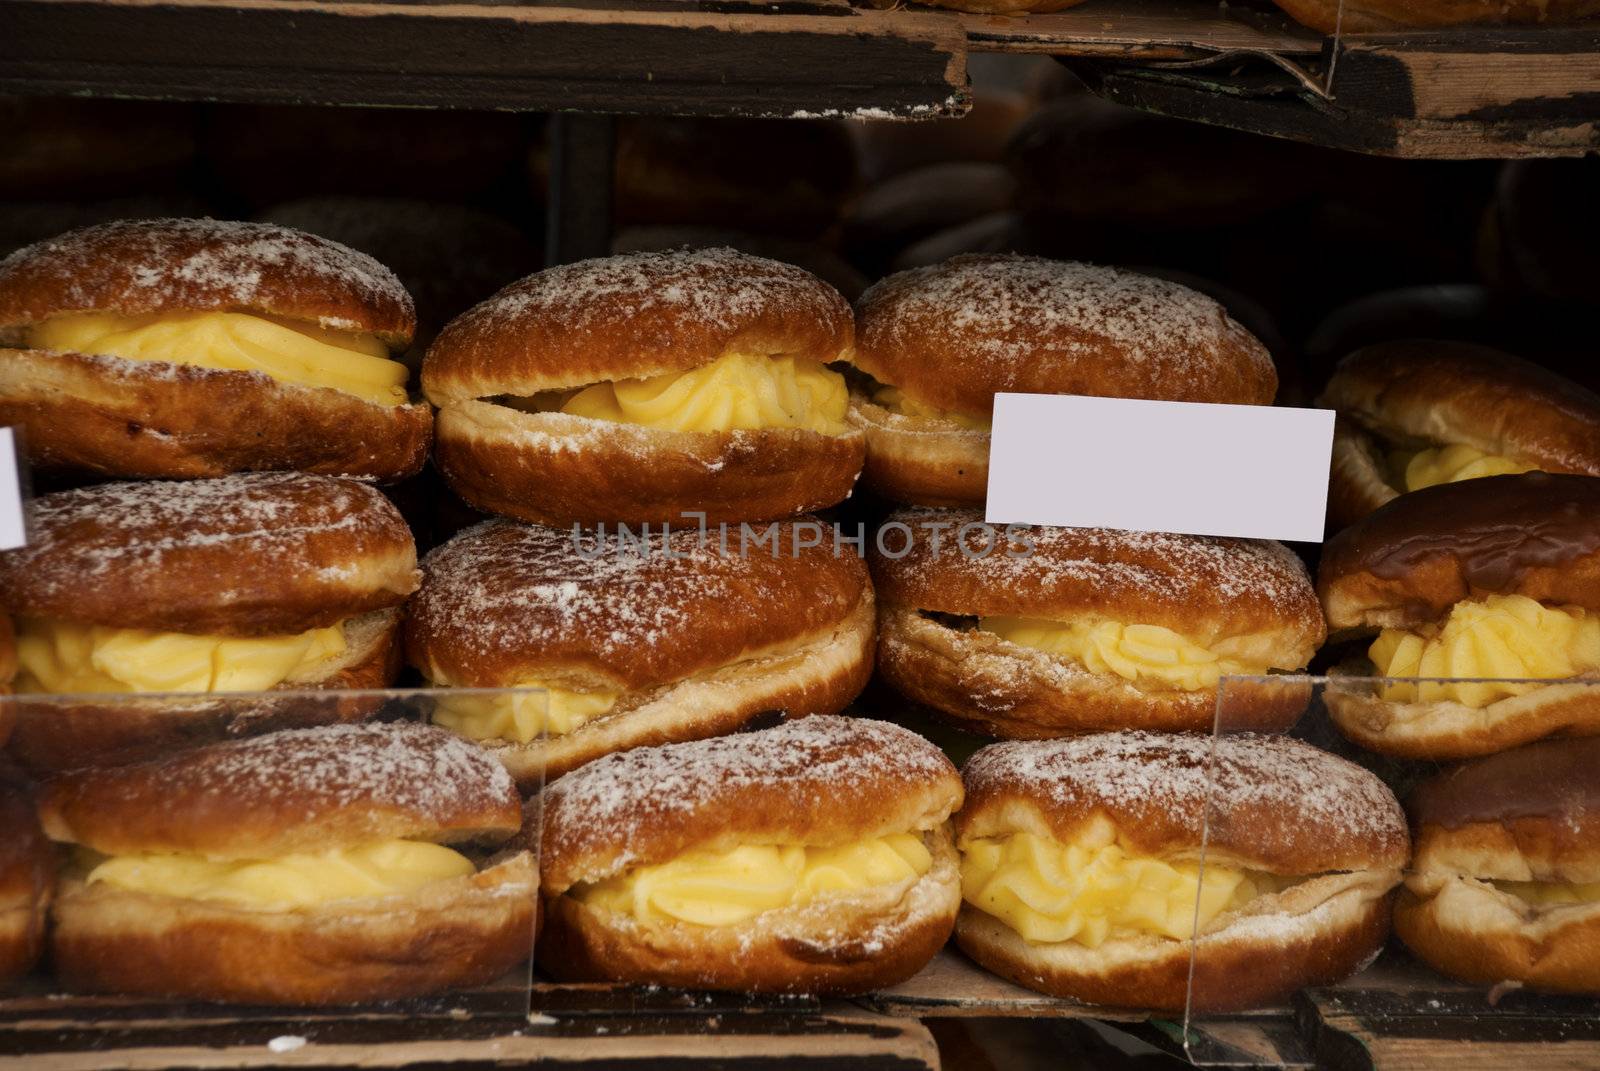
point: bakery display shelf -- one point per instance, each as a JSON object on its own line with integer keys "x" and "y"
{"x": 1474, "y": 92}
{"x": 571, "y": 1026}
{"x": 1396, "y": 1014}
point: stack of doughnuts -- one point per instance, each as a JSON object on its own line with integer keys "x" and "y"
{"x": 1414, "y": 414}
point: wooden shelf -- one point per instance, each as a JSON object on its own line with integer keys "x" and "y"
{"x": 1466, "y": 93}
{"x": 1396, "y": 1014}
{"x": 729, "y": 58}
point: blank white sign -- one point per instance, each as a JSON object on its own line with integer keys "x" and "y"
{"x": 12, "y": 532}
{"x": 1227, "y": 470}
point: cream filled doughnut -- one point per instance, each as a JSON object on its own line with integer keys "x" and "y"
{"x": 671, "y": 640}
{"x": 1081, "y": 875}
{"x": 1418, "y": 413}
{"x": 1489, "y": 578}
{"x": 247, "y": 583}
{"x": 313, "y": 866}
{"x": 1504, "y": 884}
{"x": 1037, "y": 632}
{"x": 813, "y": 857}
{"x": 643, "y": 387}
{"x": 197, "y": 347}
{"x": 939, "y": 342}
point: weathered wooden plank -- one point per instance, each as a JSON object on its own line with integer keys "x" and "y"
{"x": 1549, "y": 75}
{"x": 1146, "y": 29}
{"x": 1252, "y": 102}
{"x": 891, "y": 63}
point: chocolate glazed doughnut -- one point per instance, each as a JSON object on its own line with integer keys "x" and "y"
{"x": 1489, "y": 578}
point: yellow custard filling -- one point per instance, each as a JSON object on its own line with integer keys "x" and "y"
{"x": 298, "y": 353}
{"x": 724, "y": 888}
{"x": 733, "y": 392}
{"x": 1449, "y": 464}
{"x": 1091, "y": 892}
{"x": 384, "y": 868}
{"x": 519, "y": 719}
{"x": 1132, "y": 652}
{"x": 1550, "y": 893}
{"x": 895, "y": 400}
{"x": 1501, "y": 636}
{"x": 65, "y": 658}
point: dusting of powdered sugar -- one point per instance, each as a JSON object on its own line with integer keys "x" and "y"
{"x": 1172, "y": 774}
{"x": 1019, "y": 313}
{"x": 821, "y": 757}
{"x": 718, "y": 287}
{"x": 136, "y": 529}
{"x": 626, "y": 602}
{"x": 1068, "y": 560}
{"x": 404, "y": 765}
{"x": 155, "y": 264}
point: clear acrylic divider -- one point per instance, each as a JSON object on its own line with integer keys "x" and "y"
{"x": 1382, "y": 725}
{"x": 51, "y": 734}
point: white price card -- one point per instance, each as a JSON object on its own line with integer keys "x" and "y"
{"x": 13, "y": 533}
{"x": 1202, "y": 469}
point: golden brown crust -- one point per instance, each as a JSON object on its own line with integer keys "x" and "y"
{"x": 185, "y": 265}
{"x": 462, "y": 932}
{"x": 815, "y": 781}
{"x": 1260, "y": 960}
{"x": 1202, "y": 587}
{"x": 841, "y": 944}
{"x": 156, "y": 419}
{"x": 506, "y": 603}
{"x": 1380, "y": 16}
{"x": 302, "y": 790}
{"x": 987, "y": 685}
{"x": 919, "y": 461}
{"x": 27, "y": 877}
{"x": 820, "y": 675}
{"x": 242, "y": 555}
{"x": 67, "y": 734}
{"x": 1357, "y": 481}
{"x": 1416, "y": 393}
{"x": 1536, "y": 535}
{"x": 953, "y": 334}
{"x": 556, "y": 468}
{"x": 1446, "y": 729}
{"x": 1470, "y": 931}
{"x": 630, "y": 316}
{"x": 1274, "y": 803}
